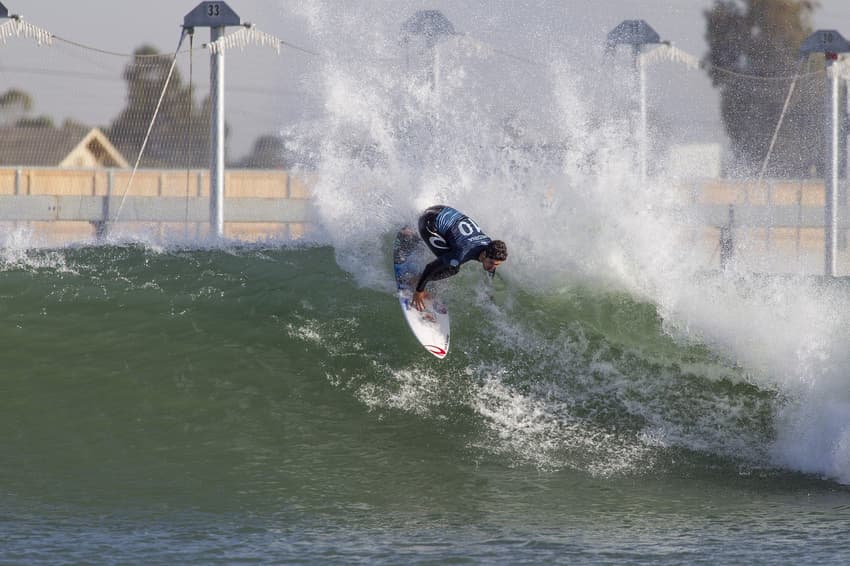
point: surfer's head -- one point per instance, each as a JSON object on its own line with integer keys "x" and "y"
{"x": 494, "y": 254}
{"x": 496, "y": 250}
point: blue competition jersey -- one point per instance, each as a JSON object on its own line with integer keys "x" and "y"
{"x": 463, "y": 236}
{"x": 454, "y": 238}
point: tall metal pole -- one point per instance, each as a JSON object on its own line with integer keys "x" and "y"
{"x": 640, "y": 75}
{"x": 216, "y": 16}
{"x": 830, "y": 43}
{"x": 217, "y": 136}
{"x": 431, "y": 26}
{"x": 637, "y": 33}
{"x": 831, "y": 170}
{"x": 844, "y": 141}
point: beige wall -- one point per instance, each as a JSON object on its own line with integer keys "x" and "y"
{"x": 778, "y": 193}
{"x": 166, "y": 183}
{"x": 785, "y": 244}
{"x": 240, "y": 183}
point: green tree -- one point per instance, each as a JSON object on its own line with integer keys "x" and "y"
{"x": 752, "y": 44}
{"x": 268, "y": 153}
{"x": 15, "y": 104}
{"x": 37, "y": 122}
{"x": 180, "y": 136}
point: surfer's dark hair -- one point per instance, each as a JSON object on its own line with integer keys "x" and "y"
{"x": 497, "y": 250}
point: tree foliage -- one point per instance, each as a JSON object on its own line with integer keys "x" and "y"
{"x": 15, "y": 108}
{"x": 753, "y": 44}
{"x": 15, "y": 104}
{"x": 37, "y": 122}
{"x": 289, "y": 151}
{"x": 180, "y": 136}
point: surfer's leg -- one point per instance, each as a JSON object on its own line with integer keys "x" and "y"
{"x": 406, "y": 243}
{"x": 428, "y": 231}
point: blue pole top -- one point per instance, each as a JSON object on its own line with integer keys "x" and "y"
{"x": 431, "y": 24}
{"x": 632, "y": 32}
{"x": 824, "y": 41}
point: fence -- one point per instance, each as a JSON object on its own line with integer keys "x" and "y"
{"x": 68, "y": 205}
{"x": 774, "y": 225}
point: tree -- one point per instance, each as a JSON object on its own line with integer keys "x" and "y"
{"x": 15, "y": 107}
{"x": 15, "y": 104}
{"x": 37, "y": 122}
{"x": 752, "y": 45}
{"x": 180, "y": 136}
{"x": 280, "y": 151}
{"x": 268, "y": 153}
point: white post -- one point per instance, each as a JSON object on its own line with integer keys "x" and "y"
{"x": 831, "y": 170}
{"x": 640, "y": 72}
{"x": 217, "y": 136}
{"x": 830, "y": 43}
{"x": 216, "y": 16}
{"x": 636, "y": 33}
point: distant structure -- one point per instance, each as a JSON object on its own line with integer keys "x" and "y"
{"x": 66, "y": 147}
{"x": 431, "y": 25}
{"x": 420, "y": 34}
{"x": 637, "y": 34}
{"x": 694, "y": 161}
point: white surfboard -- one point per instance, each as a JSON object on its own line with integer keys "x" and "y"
{"x": 430, "y": 326}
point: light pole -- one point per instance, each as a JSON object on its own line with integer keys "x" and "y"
{"x": 636, "y": 33}
{"x": 432, "y": 27}
{"x": 830, "y": 43}
{"x": 216, "y": 16}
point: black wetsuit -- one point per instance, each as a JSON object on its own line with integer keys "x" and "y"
{"x": 453, "y": 237}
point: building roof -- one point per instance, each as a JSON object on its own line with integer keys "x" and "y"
{"x": 50, "y": 147}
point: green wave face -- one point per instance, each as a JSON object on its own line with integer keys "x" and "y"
{"x": 142, "y": 375}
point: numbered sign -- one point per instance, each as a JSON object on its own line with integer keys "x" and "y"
{"x": 212, "y": 15}
{"x": 825, "y": 41}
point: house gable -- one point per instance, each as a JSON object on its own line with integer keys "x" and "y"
{"x": 94, "y": 150}
{"x": 49, "y": 147}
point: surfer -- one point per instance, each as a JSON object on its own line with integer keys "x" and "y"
{"x": 455, "y": 239}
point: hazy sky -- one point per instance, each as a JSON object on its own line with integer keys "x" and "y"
{"x": 263, "y": 93}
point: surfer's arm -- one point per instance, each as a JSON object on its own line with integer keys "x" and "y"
{"x": 427, "y": 275}
{"x": 419, "y": 293}
{"x": 437, "y": 269}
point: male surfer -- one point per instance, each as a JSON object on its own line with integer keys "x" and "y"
{"x": 455, "y": 239}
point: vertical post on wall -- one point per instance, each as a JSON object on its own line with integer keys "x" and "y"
{"x": 846, "y": 142}
{"x": 830, "y": 43}
{"x": 217, "y": 136}
{"x": 639, "y": 72}
{"x": 637, "y": 34}
{"x": 216, "y": 16}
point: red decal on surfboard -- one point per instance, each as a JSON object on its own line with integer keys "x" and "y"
{"x": 436, "y": 350}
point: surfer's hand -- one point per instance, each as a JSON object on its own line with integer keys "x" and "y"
{"x": 418, "y": 300}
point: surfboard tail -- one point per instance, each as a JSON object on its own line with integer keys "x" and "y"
{"x": 430, "y": 326}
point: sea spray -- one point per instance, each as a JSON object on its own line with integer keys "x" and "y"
{"x": 551, "y": 168}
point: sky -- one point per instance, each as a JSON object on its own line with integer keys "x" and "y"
{"x": 264, "y": 91}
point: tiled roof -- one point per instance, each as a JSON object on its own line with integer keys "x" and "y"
{"x": 47, "y": 147}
